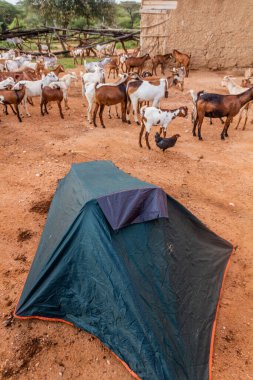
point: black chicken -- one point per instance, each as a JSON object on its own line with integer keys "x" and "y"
{"x": 165, "y": 143}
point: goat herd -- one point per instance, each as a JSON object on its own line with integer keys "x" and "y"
{"x": 21, "y": 80}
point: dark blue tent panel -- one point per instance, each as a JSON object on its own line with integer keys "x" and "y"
{"x": 124, "y": 261}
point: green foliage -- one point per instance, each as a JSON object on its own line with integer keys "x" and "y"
{"x": 7, "y": 14}
{"x": 63, "y": 12}
{"x": 132, "y": 13}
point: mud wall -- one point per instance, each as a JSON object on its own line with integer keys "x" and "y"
{"x": 217, "y": 33}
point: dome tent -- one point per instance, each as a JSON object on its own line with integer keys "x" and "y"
{"x": 124, "y": 261}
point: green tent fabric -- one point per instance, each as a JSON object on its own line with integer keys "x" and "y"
{"x": 124, "y": 261}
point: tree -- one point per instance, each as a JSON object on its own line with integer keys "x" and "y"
{"x": 133, "y": 10}
{"x": 61, "y": 12}
{"x": 7, "y": 14}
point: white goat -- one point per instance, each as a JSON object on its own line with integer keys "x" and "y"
{"x": 145, "y": 91}
{"x": 154, "y": 116}
{"x": 91, "y": 67}
{"x": 34, "y": 88}
{"x": 104, "y": 49}
{"x": 235, "y": 89}
{"x": 7, "y": 83}
{"x": 16, "y": 63}
{"x": 97, "y": 77}
{"x": 181, "y": 72}
{"x": 50, "y": 61}
{"x": 64, "y": 84}
{"x": 9, "y": 54}
{"x": 122, "y": 60}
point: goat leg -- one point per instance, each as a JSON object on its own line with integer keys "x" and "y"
{"x": 224, "y": 132}
{"x": 60, "y": 109}
{"x": 147, "y": 142}
{"x": 17, "y": 111}
{"x": 95, "y": 114}
{"x": 101, "y": 114}
{"x": 117, "y": 113}
{"x": 109, "y": 112}
{"x": 141, "y": 133}
{"x": 200, "y": 119}
{"x": 66, "y": 104}
{"x": 41, "y": 108}
{"x": 195, "y": 126}
{"x": 123, "y": 111}
{"x": 45, "y": 108}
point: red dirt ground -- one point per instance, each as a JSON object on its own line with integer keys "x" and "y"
{"x": 212, "y": 178}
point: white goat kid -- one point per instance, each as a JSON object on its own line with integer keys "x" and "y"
{"x": 235, "y": 89}
{"x": 34, "y": 88}
{"x": 97, "y": 77}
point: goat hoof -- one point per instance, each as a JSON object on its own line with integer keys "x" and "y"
{"x": 200, "y": 138}
{"x": 222, "y": 137}
{"x": 137, "y": 122}
{"x": 103, "y": 126}
{"x": 129, "y": 122}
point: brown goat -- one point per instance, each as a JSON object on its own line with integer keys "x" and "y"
{"x": 51, "y": 95}
{"x": 138, "y": 62}
{"x": 216, "y": 106}
{"x": 160, "y": 60}
{"x": 59, "y": 69}
{"x": 182, "y": 59}
{"x": 17, "y": 76}
{"x": 108, "y": 95}
{"x": 14, "y": 97}
{"x": 113, "y": 66}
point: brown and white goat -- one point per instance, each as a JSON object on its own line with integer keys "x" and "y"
{"x": 136, "y": 62}
{"x": 216, "y": 106}
{"x": 108, "y": 95}
{"x": 182, "y": 59}
{"x": 59, "y": 69}
{"x": 160, "y": 60}
{"x": 13, "y": 98}
{"x": 151, "y": 116}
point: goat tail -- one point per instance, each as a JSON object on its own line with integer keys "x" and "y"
{"x": 142, "y": 110}
{"x": 200, "y": 93}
